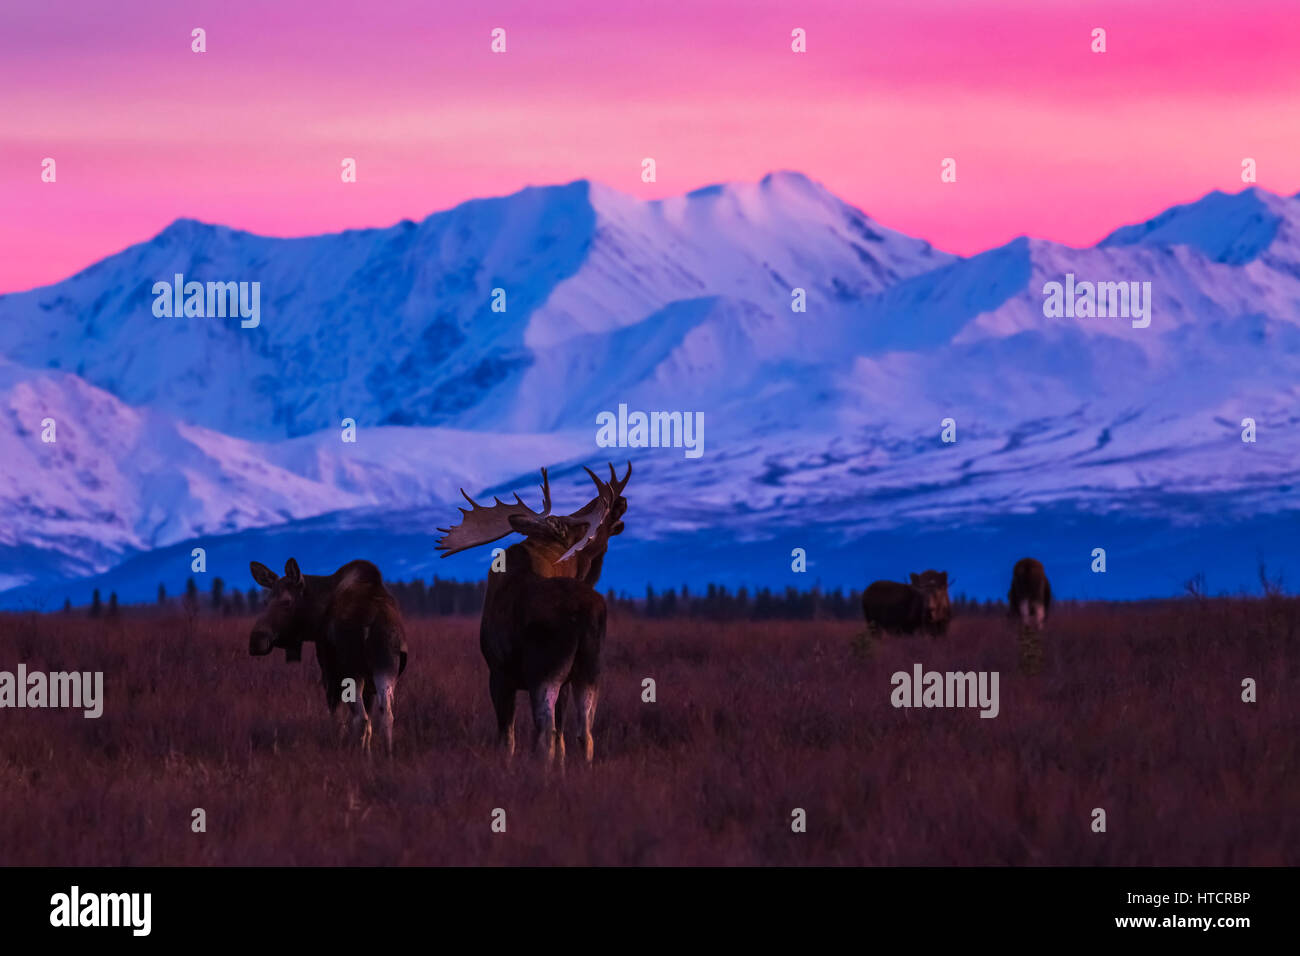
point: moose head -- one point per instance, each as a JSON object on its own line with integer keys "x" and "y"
{"x": 283, "y": 622}
{"x": 938, "y": 611}
{"x": 558, "y": 545}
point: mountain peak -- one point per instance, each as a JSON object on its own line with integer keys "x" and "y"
{"x": 785, "y": 181}
{"x": 791, "y": 178}
{"x": 187, "y": 224}
{"x": 1233, "y": 228}
{"x": 186, "y": 231}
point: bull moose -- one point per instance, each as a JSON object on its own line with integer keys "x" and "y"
{"x": 921, "y": 605}
{"x": 543, "y": 620}
{"x": 357, "y": 629}
{"x": 1030, "y": 597}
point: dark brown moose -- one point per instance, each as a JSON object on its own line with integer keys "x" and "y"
{"x": 357, "y": 629}
{"x": 543, "y": 620}
{"x": 899, "y": 608}
{"x": 1030, "y": 597}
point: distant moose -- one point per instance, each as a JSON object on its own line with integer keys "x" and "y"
{"x": 543, "y": 620}
{"x": 356, "y": 627}
{"x": 921, "y": 605}
{"x": 1029, "y": 599}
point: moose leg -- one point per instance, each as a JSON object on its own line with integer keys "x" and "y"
{"x": 332, "y": 681}
{"x": 359, "y": 725}
{"x": 503, "y": 702}
{"x": 381, "y": 708}
{"x": 333, "y": 697}
{"x": 584, "y": 699}
{"x": 561, "y": 700}
{"x": 543, "y": 697}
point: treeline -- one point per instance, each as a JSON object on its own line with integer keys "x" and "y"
{"x": 717, "y": 603}
{"x": 438, "y": 598}
{"x": 441, "y": 598}
{"x": 219, "y": 600}
{"x": 714, "y": 602}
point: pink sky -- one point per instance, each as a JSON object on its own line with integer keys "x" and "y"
{"x": 1050, "y": 139}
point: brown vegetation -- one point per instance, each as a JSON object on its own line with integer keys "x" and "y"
{"x": 1137, "y": 710}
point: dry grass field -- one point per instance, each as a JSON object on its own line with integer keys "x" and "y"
{"x": 1137, "y": 710}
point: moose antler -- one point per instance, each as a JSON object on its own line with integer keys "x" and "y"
{"x": 594, "y": 511}
{"x": 604, "y": 489}
{"x": 483, "y": 524}
{"x": 617, "y": 485}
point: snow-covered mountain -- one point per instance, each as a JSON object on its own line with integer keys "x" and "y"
{"x": 822, "y": 426}
{"x": 396, "y": 326}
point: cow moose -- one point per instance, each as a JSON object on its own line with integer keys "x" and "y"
{"x": 543, "y": 620}
{"x": 921, "y": 605}
{"x": 357, "y": 629}
{"x": 1030, "y": 597}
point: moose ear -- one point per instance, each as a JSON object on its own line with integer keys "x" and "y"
{"x": 292, "y": 573}
{"x": 617, "y": 529}
{"x": 262, "y": 574}
{"x": 943, "y": 579}
{"x": 916, "y": 580}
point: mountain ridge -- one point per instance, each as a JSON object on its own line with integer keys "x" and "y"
{"x": 680, "y": 304}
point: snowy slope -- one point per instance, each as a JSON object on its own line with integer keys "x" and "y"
{"x": 118, "y": 481}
